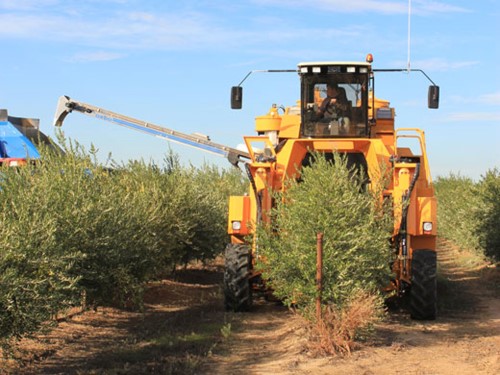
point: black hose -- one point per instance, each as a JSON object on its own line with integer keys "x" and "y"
{"x": 402, "y": 235}
{"x": 258, "y": 198}
{"x": 3, "y": 150}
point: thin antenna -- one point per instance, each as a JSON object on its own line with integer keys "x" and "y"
{"x": 408, "y": 65}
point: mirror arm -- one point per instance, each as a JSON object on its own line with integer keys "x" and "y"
{"x": 267, "y": 71}
{"x": 406, "y": 70}
{"x": 237, "y": 91}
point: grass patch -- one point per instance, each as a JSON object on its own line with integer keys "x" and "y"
{"x": 463, "y": 272}
{"x": 169, "y": 352}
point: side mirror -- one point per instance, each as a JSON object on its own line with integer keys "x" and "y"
{"x": 433, "y": 97}
{"x": 236, "y": 97}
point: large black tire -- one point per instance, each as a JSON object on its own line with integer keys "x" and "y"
{"x": 423, "y": 292}
{"x": 237, "y": 287}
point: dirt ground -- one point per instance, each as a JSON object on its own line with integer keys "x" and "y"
{"x": 184, "y": 330}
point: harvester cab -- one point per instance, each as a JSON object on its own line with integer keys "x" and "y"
{"x": 338, "y": 113}
{"x": 334, "y": 100}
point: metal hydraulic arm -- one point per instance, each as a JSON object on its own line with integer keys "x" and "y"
{"x": 67, "y": 105}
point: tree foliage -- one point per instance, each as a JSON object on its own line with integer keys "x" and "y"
{"x": 71, "y": 228}
{"x": 489, "y": 215}
{"x": 459, "y": 204}
{"x": 331, "y": 199}
{"x": 469, "y": 212}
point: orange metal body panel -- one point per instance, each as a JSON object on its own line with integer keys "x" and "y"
{"x": 239, "y": 211}
{"x": 290, "y": 126}
{"x": 272, "y": 165}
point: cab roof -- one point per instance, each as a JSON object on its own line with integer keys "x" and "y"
{"x": 334, "y": 63}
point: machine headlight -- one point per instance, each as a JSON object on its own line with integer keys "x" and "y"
{"x": 427, "y": 227}
{"x": 236, "y": 225}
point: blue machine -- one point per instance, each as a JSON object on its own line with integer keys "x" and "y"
{"x": 19, "y": 138}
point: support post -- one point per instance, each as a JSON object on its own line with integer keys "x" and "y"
{"x": 319, "y": 274}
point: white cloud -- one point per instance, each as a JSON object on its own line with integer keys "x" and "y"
{"x": 426, "y": 7}
{"x": 493, "y": 99}
{"x": 26, "y": 4}
{"x": 116, "y": 28}
{"x": 125, "y": 30}
{"x": 156, "y": 31}
{"x": 474, "y": 117}
{"x": 441, "y": 65}
{"x": 96, "y": 56}
{"x": 47, "y": 27}
{"x": 374, "y": 6}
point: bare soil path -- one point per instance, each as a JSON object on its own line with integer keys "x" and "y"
{"x": 184, "y": 330}
{"x": 465, "y": 339}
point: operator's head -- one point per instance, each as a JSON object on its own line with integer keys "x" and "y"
{"x": 332, "y": 89}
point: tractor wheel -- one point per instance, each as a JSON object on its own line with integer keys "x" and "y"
{"x": 237, "y": 288}
{"x": 423, "y": 292}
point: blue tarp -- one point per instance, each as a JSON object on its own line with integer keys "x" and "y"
{"x": 13, "y": 144}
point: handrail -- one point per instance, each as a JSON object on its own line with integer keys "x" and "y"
{"x": 421, "y": 138}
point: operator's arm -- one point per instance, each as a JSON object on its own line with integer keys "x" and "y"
{"x": 324, "y": 106}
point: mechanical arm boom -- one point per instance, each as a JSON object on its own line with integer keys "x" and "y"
{"x": 67, "y": 105}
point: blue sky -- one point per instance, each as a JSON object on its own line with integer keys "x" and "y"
{"x": 173, "y": 62}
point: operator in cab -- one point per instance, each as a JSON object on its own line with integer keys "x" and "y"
{"x": 333, "y": 115}
{"x": 335, "y": 104}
